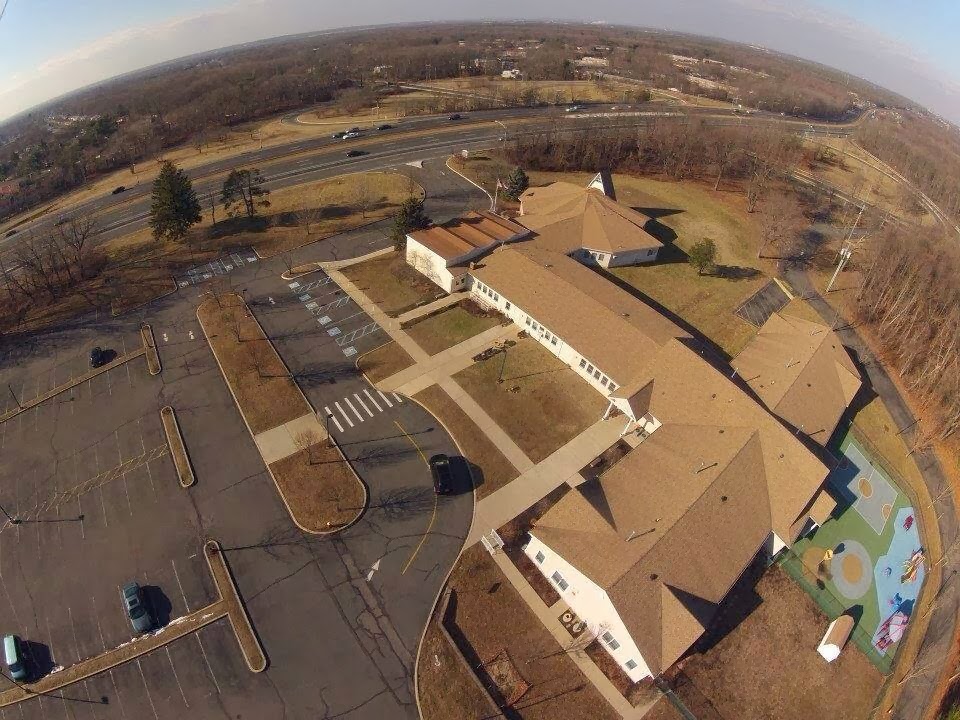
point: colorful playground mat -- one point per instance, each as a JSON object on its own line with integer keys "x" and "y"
{"x": 867, "y": 558}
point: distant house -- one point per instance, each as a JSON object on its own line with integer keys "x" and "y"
{"x": 442, "y": 252}
{"x": 512, "y": 74}
{"x": 589, "y": 61}
{"x": 801, "y": 371}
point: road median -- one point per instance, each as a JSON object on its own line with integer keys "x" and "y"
{"x": 177, "y": 448}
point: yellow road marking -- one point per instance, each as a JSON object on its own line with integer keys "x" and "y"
{"x": 433, "y": 515}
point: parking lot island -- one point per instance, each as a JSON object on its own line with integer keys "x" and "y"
{"x": 177, "y": 449}
{"x": 229, "y": 595}
{"x": 318, "y": 486}
{"x": 150, "y": 346}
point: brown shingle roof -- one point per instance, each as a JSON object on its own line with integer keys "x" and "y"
{"x": 802, "y": 372}
{"x": 669, "y": 529}
{"x": 616, "y": 332}
{"x": 567, "y": 217}
{"x": 472, "y": 231}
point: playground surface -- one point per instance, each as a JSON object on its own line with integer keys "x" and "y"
{"x": 866, "y": 559}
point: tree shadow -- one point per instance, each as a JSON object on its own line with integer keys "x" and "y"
{"x": 158, "y": 603}
{"x": 734, "y": 272}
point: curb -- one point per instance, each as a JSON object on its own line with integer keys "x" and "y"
{"x": 150, "y": 347}
{"x": 457, "y": 172}
{"x": 286, "y": 504}
{"x": 177, "y": 448}
{"x": 212, "y": 548}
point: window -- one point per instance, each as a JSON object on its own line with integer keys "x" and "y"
{"x": 651, "y": 252}
{"x": 496, "y": 297}
{"x": 508, "y": 305}
{"x": 601, "y": 257}
{"x": 546, "y": 335}
{"x": 589, "y": 369}
{"x": 540, "y": 556}
{"x": 596, "y": 374}
{"x": 479, "y": 286}
{"x": 631, "y": 664}
{"x": 603, "y": 381}
{"x": 553, "y": 340}
{"x": 535, "y": 326}
{"x": 558, "y": 579}
{"x": 610, "y": 640}
{"x": 528, "y": 320}
{"x": 613, "y": 386}
{"x": 583, "y": 363}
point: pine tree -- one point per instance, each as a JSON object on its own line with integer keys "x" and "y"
{"x": 410, "y": 217}
{"x": 517, "y": 183}
{"x": 174, "y": 207}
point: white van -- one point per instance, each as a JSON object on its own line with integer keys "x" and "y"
{"x": 13, "y": 654}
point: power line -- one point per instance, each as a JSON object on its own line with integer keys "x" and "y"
{"x": 4, "y": 8}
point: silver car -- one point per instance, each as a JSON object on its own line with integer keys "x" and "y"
{"x": 140, "y": 618}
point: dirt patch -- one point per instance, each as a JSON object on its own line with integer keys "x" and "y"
{"x": 321, "y": 490}
{"x": 488, "y": 618}
{"x": 452, "y": 326}
{"x": 541, "y": 403}
{"x": 384, "y": 361}
{"x": 392, "y": 284}
{"x": 767, "y": 665}
{"x": 260, "y": 382}
{"x": 177, "y": 449}
{"x": 490, "y": 468}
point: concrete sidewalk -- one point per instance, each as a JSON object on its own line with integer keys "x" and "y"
{"x": 281, "y": 441}
{"x": 445, "y": 301}
{"x": 563, "y": 466}
{"x": 550, "y": 617}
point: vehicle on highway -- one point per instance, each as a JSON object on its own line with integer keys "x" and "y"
{"x": 385, "y": 126}
{"x": 11, "y": 233}
{"x": 574, "y": 108}
{"x": 98, "y": 357}
{"x": 118, "y": 189}
{"x": 13, "y": 655}
{"x": 455, "y": 116}
{"x": 350, "y": 135}
{"x": 61, "y": 220}
{"x": 356, "y": 153}
{"x": 442, "y": 475}
{"x": 338, "y": 135}
{"x": 133, "y": 603}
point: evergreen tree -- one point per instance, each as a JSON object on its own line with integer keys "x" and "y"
{"x": 517, "y": 183}
{"x": 243, "y": 189}
{"x": 174, "y": 207}
{"x": 410, "y": 217}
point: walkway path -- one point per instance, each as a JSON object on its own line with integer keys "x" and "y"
{"x": 445, "y": 301}
{"x": 917, "y": 691}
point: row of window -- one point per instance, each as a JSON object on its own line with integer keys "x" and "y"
{"x": 488, "y": 291}
{"x": 544, "y": 333}
{"x": 591, "y": 370}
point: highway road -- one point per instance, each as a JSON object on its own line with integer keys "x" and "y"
{"x": 410, "y": 139}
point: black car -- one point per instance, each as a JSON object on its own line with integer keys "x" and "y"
{"x": 355, "y": 153}
{"x": 118, "y": 189}
{"x": 456, "y": 116}
{"x": 442, "y": 475}
{"x": 97, "y": 357}
{"x": 384, "y": 127}
{"x": 11, "y": 233}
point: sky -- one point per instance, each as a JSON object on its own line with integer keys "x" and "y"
{"x": 49, "y": 47}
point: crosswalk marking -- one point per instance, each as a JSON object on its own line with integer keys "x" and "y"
{"x": 370, "y": 398}
{"x": 350, "y": 404}
{"x": 349, "y": 421}
{"x": 363, "y": 405}
{"x": 333, "y": 417}
{"x": 397, "y": 397}
{"x": 385, "y": 399}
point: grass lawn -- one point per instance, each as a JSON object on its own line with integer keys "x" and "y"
{"x": 392, "y": 284}
{"x": 320, "y": 488}
{"x": 491, "y": 618}
{"x": 551, "y": 91}
{"x": 491, "y": 469}
{"x": 384, "y": 361}
{"x": 261, "y": 384}
{"x": 768, "y": 666}
{"x": 707, "y": 302}
{"x": 452, "y": 326}
{"x": 542, "y": 404}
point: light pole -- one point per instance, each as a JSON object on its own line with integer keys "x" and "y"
{"x": 12, "y": 393}
{"x": 13, "y": 520}
{"x": 503, "y": 362}
{"x": 329, "y": 437}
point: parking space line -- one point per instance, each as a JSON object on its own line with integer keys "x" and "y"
{"x": 337, "y": 404}
{"x": 363, "y": 405}
{"x": 352, "y": 408}
{"x": 385, "y": 399}
{"x": 147, "y": 688}
{"x": 209, "y": 668}
{"x": 333, "y": 417}
{"x": 370, "y": 398}
{"x": 180, "y": 585}
{"x": 175, "y": 676}
{"x": 397, "y": 397}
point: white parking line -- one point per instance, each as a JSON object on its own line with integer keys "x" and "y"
{"x": 175, "y": 676}
{"x": 147, "y": 688}
{"x": 385, "y": 398}
{"x": 333, "y": 417}
{"x": 350, "y": 404}
{"x": 349, "y": 421}
{"x": 180, "y": 585}
{"x": 204, "y": 653}
{"x": 370, "y": 397}
{"x": 363, "y": 405}
{"x": 397, "y": 397}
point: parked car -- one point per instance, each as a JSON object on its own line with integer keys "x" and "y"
{"x": 456, "y": 116}
{"x": 13, "y": 655}
{"x": 118, "y": 189}
{"x": 355, "y": 153}
{"x": 97, "y": 357}
{"x": 133, "y": 602}
{"x": 338, "y": 135}
{"x": 442, "y": 475}
{"x": 385, "y": 126}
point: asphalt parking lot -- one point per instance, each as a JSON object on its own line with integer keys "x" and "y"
{"x": 758, "y": 308}
{"x": 89, "y": 475}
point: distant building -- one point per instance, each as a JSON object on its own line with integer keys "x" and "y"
{"x": 512, "y": 74}
{"x": 590, "y": 61}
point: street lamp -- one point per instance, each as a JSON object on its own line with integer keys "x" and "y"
{"x": 503, "y": 362}
{"x": 13, "y": 520}
{"x": 329, "y": 438}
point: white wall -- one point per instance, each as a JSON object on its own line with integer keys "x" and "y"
{"x": 428, "y": 263}
{"x": 591, "y": 603}
{"x": 773, "y": 544}
{"x": 489, "y": 296}
{"x": 633, "y": 257}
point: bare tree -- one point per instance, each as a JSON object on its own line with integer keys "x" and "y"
{"x": 76, "y": 234}
{"x": 310, "y": 217}
{"x": 309, "y": 441}
{"x": 781, "y": 226}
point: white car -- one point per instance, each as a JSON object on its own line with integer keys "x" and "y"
{"x": 574, "y": 108}
{"x": 351, "y": 135}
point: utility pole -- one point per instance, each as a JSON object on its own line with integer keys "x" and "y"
{"x": 14, "y": 395}
{"x": 846, "y": 252}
